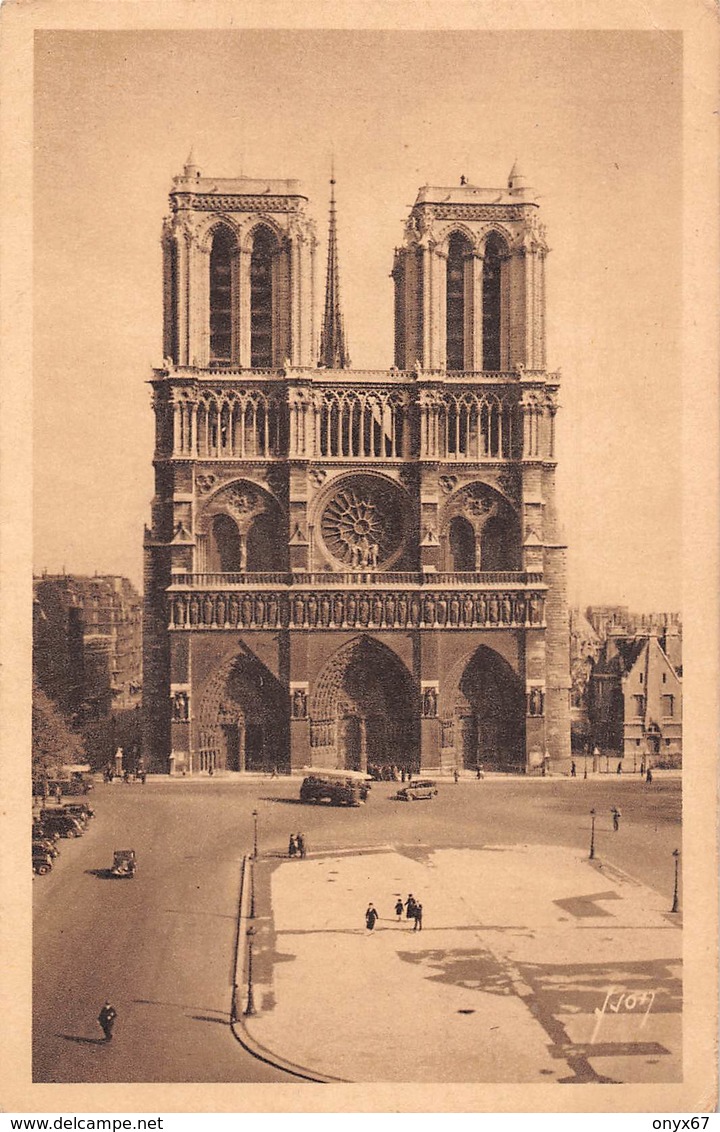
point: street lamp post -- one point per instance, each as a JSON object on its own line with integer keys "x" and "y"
{"x": 585, "y": 765}
{"x": 592, "y": 836}
{"x": 675, "y": 906}
{"x": 250, "y": 1008}
{"x": 255, "y": 847}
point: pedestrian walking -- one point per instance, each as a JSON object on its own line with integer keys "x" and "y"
{"x": 480, "y": 773}
{"x": 456, "y": 775}
{"x": 417, "y": 916}
{"x": 58, "y": 794}
{"x": 410, "y": 906}
{"x": 399, "y": 909}
{"x": 619, "y": 767}
{"x": 300, "y": 843}
{"x": 106, "y": 1018}
{"x": 616, "y": 815}
{"x": 292, "y": 847}
{"x": 370, "y": 917}
{"x": 573, "y": 769}
{"x": 648, "y": 776}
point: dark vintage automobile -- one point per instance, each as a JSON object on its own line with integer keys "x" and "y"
{"x": 45, "y": 845}
{"x": 124, "y": 863}
{"x": 41, "y": 862}
{"x": 40, "y": 832}
{"x": 81, "y": 810}
{"x": 335, "y": 787}
{"x": 414, "y": 791}
{"x": 63, "y": 823}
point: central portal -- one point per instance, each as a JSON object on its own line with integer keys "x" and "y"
{"x": 363, "y": 712}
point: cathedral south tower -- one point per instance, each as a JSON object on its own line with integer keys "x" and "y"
{"x": 350, "y": 568}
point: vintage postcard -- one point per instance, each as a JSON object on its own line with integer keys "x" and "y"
{"x": 360, "y": 655}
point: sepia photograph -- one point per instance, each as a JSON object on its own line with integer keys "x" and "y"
{"x": 362, "y": 730}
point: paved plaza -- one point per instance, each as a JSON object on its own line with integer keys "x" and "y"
{"x": 534, "y": 964}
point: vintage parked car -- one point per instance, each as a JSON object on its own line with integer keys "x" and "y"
{"x": 41, "y": 862}
{"x": 124, "y": 863}
{"x": 39, "y": 831}
{"x": 64, "y": 824}
{"x": 45, "y": 845}
{"x": 414, "y": 791}
{"x": 81, "y": 810}
{"x": 336, "y": 787}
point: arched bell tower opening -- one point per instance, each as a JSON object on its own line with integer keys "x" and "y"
{"x": 262, "y": 298}
{"x": 458, "y": 302}
{"x": 492, "y": 302}
{"x": 363, "y": 711}
{"x": 223, "y": 297}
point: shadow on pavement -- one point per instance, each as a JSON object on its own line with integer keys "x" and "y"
{"x": 104, "y": 874}
{"x": 284, "y": 801}
{"x": 82, "y": 1041}
{"x": 178, "y": 1006}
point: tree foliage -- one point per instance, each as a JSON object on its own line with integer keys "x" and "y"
{"x": 53, "y": 743}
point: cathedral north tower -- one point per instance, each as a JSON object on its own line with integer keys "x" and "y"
{"x": 351, "y": 568}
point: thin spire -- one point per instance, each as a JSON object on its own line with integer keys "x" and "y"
{"x": 333, "y": 351}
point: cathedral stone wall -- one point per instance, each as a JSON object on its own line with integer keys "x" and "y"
{"x": 353, "y": 568}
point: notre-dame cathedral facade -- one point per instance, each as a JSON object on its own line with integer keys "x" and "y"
{"x": 349, "y": 567}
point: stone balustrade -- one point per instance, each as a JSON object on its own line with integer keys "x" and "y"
{"x": 383, "y": 578}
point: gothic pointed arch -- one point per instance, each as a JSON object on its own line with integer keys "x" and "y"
{"x": 242, "y": 527}
{"x": 363, "y": 709}
{"x": 494, "y": 300}
{"x": 223, "y": 289}
{"x": 242, "y": 717}
{"x": 459, "y": 285}
{"x": 482, "y": 710}
{"x": 263, "y": 286}
{"x": 462, "y": 543}
{"x": 495, "y": 526}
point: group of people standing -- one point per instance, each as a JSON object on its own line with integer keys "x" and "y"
{"x": 411, "y": 908}
{"x": 297, "y": 846}
{"x": 644, "y": 773}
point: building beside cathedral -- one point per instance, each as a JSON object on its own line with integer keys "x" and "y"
{"x": 349, "y": 567}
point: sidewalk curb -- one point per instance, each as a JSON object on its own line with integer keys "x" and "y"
{"x": 237, "y": 1024}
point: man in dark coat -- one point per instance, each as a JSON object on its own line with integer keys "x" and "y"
{"x": 370, "y": 917}
{"x": 417, "y": 913}
{"x": 106, "y": 1018}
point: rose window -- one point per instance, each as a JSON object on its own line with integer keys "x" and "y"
{"x": 363, "y": 524}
